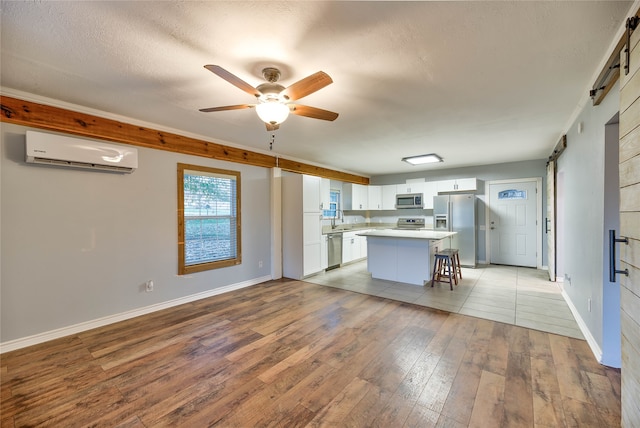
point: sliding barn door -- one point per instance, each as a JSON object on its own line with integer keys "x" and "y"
{"x": 630, "y": 229}
{"x": 550, "y": 223}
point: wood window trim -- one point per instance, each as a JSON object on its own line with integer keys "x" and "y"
{"x": 184, "y": 269}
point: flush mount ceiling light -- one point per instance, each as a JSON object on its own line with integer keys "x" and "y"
{"x": 419, "y": 160}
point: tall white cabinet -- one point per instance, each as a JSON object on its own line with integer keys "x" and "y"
{"x": 301, "y": 226}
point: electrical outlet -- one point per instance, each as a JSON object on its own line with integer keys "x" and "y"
{"x": 260, "y": 264}
{"x": 149, "y": 286}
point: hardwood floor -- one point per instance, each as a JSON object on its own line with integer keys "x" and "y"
{"x": 290, "y": 353}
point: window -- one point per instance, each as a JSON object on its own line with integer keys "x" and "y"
{"x": 208, "y": 218}
{"x": 334, "y": 205}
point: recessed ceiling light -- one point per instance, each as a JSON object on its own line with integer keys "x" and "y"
{"x": 419, "y": 160}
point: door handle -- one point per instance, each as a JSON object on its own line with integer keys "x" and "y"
{"x": 612, "y": 256}
{"x": 548, "y": 221}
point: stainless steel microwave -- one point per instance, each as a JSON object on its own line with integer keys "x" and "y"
{"x": 409, "y": 200}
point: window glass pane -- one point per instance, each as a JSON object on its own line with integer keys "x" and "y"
{"x": 209, "y": 237}
{"x": 334, "y": 199}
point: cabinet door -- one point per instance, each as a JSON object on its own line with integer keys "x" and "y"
{"x": 430, "y": 190}
{"x": 311, "y": 259}
{"x": 312, "y": 245}
{"x": 311, "y": 228}
{"x": 447, "y": 186}
{"x": 325, "y": 193}
{"x": 347, "y": 249}
{"x": 389, "y": 197}
{"x": 374, "y": 194}
{"x": 362, "y": 244}
{"x": 324, "y": 252}
{"x": 361, "y": 197}
{"x": 310, "y": 193}
{"x": 355, "y": 196}
{"x": 410, "y": 188}
{"x": 466, "y": 184}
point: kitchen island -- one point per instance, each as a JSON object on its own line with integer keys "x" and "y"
{"x": 403, "y": 255}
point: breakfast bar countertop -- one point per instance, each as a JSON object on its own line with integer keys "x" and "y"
{"x": 411, "y": 234}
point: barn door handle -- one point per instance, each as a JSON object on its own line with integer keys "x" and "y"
{"x": 612, "y": 256}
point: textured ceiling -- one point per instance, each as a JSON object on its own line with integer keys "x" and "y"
{"x": 477, "y": 82}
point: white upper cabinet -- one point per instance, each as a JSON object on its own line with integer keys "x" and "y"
{"x": 355, "y": 197}
{"x": 325, "y": 193}
{"x": 430, "y": 190}
{"x": 416, "y": 187}
{"x": 389, "y": 192}
{"x": 458, "y": 185}
{"x": 374, "y": 194}
{"x": 310, "y": 193}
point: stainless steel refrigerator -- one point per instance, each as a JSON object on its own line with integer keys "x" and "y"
{"x": 457, "y": 213}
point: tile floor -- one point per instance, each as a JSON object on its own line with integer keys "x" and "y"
{"x": 513, "y": 295}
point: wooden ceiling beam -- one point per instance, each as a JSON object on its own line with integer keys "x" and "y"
{"x": 31, "y": 114}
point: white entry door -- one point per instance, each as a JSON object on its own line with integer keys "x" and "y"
{"x": 512, "y": 223}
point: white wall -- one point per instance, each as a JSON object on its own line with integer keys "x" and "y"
{"x": 582, "y": 166}
{"x": 504, "y": 171}
{"x": 77, "y": 246}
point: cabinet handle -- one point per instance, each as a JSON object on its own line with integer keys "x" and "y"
{"x": 612, "y": 256}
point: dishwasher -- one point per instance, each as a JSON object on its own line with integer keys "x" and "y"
{"x": 334, "y": 244}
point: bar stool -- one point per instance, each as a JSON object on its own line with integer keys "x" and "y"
{"x": 455, "y": 261}
{"x": 444, "y": 259}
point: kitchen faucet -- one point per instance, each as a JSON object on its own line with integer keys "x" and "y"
{"x": 333, "y": 219}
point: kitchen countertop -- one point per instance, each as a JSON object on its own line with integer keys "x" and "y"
{"x": 412, "y": 234}
{"x": 354, "y": 227}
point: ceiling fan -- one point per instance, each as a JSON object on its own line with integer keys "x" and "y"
{"x": 274, "y": 100}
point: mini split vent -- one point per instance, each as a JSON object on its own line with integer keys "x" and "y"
{"x": 57, "y": 150}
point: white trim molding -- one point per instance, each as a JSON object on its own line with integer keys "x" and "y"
{"x": 12, "y": 345}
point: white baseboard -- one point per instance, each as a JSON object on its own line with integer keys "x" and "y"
{"x": 595, "y": 348}
{"x": 12, "y": 345}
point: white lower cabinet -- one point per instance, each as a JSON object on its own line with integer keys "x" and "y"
{"x": 348, "y": 247}
{"x": 354, "y": 247}
{"x": 311, "y": 259}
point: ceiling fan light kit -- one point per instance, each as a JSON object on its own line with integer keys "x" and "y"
{"x": 422, "y": 159}
{"x": 272, "y": 111}
{"x": 273, "y": 105}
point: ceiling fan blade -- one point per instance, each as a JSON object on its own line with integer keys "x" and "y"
{"x": 313, "y": 112}
{"x": 306, "y": 86}
{"x": 272, "y": 127}
{"x": 224, "y": 108}
{"x": 233, "y": 79}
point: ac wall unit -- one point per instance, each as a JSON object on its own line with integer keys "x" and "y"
{"x": 58, "y": 150}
